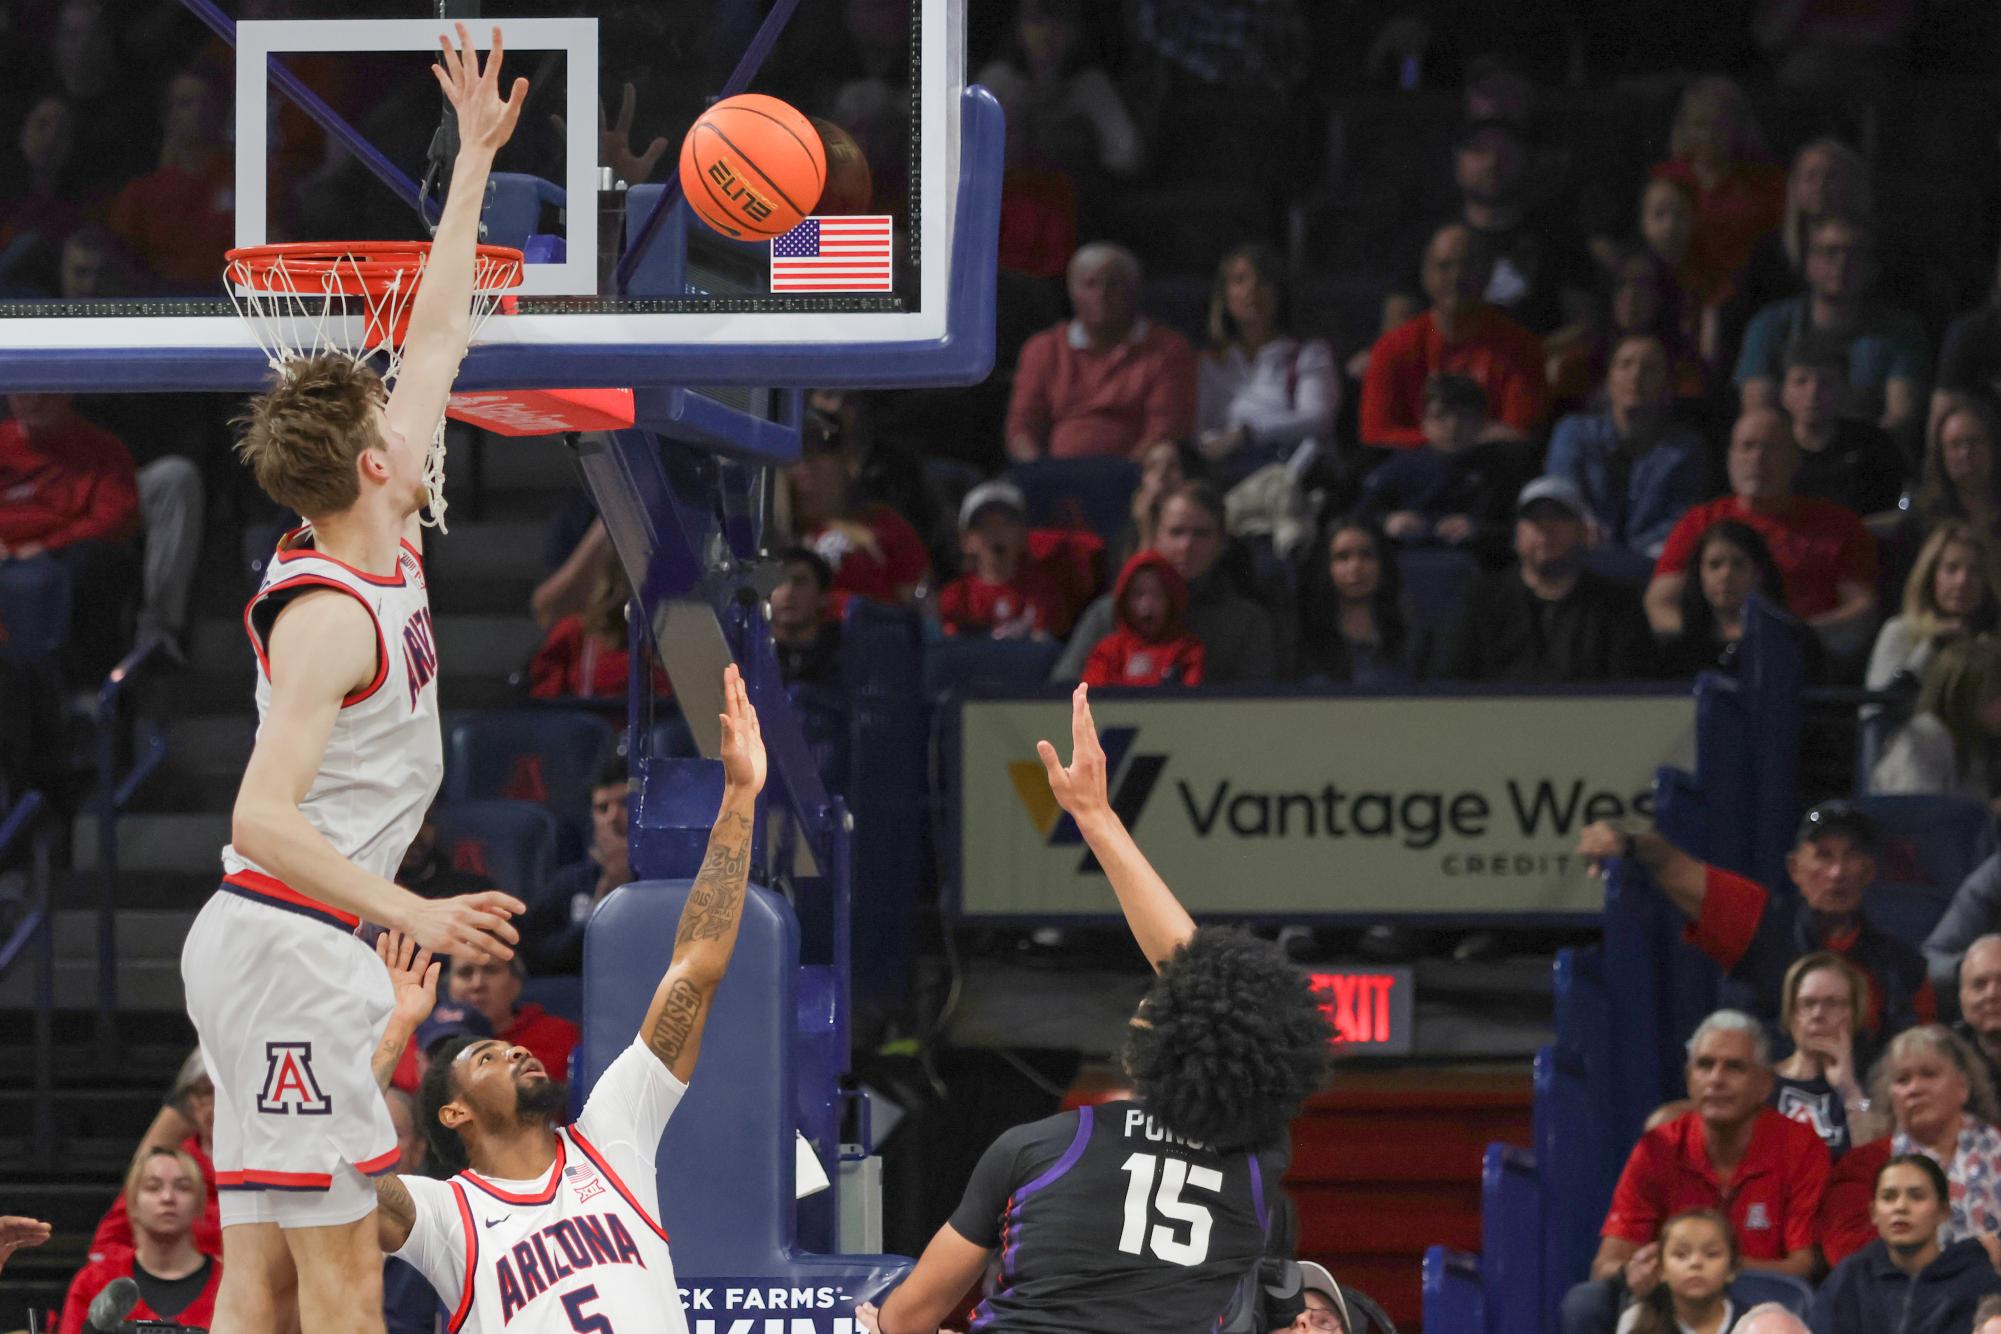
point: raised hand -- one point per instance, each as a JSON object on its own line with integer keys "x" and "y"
{"x": 413, "y": 976}
{"x": 475, "y": 923}
{"x": 615, "y": 142}
{"x": 742, "y": 750}
{"x": 20, "y": 1233}
{"x": 1079, "y": 786}
{"x": 485, "y": 120}
{"x": 1599, "y": 843}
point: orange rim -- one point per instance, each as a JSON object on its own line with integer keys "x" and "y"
{"x": 357, "y": 268}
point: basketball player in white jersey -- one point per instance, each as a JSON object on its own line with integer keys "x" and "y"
{"x": 287, "y": 1002}
{"x": 552, "y": 1230}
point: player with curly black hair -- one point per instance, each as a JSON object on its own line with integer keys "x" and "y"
{"x": 1151, "y": 1210}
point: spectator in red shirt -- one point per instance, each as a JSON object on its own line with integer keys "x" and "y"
{"x": 1003, "y": 595}
{"x": 1151, "y": 644}
{"x": 1763, "y": 1171}
{"x": 1755, "y": 935}
{"x": 179, "y": 219}
{"x": 1827, "y": 557}
{"x": 588, "y": 656}
{"x": 1461, "y": 334}
{"x": 68, "y": 490}
{"x": 873, "y": 550}
{"x": 187, "y": 1123}
{"x": 1109, "y": 381}
{"x": 494, "y": 989}
{"x": 177, "y": 1282}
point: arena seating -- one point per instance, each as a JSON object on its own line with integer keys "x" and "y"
{"x": 1093, "y": 493}
{"x": 540, "y": 755}
{"x": 512, "y": 842}
{"x": 1931, "y": 844}
{"x": 34, "y": 610}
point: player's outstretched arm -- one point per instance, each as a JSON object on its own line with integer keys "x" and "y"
{"x": 709, "y": 921}
{"x": 322, "y": 648}
{"x": 441, "y": 312}
{"x": 947, "y": 1270}
{"x": 413, "y": 980}
{"x": 1158, "y": 921}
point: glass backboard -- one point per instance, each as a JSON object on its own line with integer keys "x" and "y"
{"x": 259, "y": 121}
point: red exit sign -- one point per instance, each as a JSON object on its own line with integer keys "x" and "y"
{"x": 1370, "y": 1008}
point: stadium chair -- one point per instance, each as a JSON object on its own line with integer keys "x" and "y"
{"x": 1435, "y": 580}
{"x": 1931, "y": 843}
{"x": 1619, "y": 564}
{"x": 1453, "y": 1303}
{"x": 511, "y": 842}
{"x": 1751, "y": 1289}
{"x": 1511, "y": 1240}
{"x": 956, "y": 666}
{"x": 560, "y": 996}
{"x": 513, "y": 210}
{"x": 34, "y": 610}
{"x": 540, "y": 755}
{"x": 1078, "y": 493}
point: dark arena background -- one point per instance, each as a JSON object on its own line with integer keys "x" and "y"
{"x": 1519, "y": 478}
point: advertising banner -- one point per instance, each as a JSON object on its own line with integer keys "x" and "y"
{"x": 1366, "y": 805}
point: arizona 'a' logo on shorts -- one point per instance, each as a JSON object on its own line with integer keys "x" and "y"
{"x": 289, "y": 1085}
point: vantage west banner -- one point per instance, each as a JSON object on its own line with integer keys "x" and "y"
{"x": 1368, "y": 805}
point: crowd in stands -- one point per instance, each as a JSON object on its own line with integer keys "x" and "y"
{"x": 1602, "y": 401}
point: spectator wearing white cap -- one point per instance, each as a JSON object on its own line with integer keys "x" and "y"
{"x": 1548, "y": 619}
{"x": 1326, "y": 1309}
{"x": 1002, "y": 594}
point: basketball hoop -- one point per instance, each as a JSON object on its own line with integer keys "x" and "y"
{"x": 310, "y": 298}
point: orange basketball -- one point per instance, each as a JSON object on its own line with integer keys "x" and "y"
{"x": 850, "y": 187}
{"x": 752, "y": 167}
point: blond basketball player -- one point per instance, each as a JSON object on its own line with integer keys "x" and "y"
{"x": 287, "y": 1002}
{"x": 551, "y": 1229}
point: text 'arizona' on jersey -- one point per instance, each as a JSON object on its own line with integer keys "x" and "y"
{"x": 582, "y": 1244}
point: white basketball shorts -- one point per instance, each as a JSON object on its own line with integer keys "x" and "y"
{"x": 289, "y": 1006}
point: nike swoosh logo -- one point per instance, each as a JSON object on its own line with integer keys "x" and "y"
{"x": 496, "y": 1222}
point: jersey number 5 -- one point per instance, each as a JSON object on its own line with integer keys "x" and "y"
{"x": 1142, "y": 1202}
{"x": 593, "y": 1323}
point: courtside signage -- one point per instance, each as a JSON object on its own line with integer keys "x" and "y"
{"x": 1365, "y": 805}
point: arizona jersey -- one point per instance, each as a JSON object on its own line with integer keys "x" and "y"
{"x": 385, "y": 756}
{"x": 1101, "y": 1213}
{"x": 583, "y": 1241}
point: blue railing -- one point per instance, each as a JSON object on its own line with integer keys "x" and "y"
{"x": 1617, "y": 1051}
{"x": 25, "y": 821}
{"x": 115, "y": 791}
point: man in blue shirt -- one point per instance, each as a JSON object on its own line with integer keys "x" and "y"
{"x": 1888, "y": 354}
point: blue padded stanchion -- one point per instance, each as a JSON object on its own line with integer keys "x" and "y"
{"x": 726, "y": 1166}
{"x": 1511, "y": 1259}
{"x": 1453, "y": 1303}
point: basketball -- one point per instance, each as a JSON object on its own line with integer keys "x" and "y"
{"x": 752, "y": 167}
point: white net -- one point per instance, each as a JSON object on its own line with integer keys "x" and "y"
{"x": 335, "y": 301}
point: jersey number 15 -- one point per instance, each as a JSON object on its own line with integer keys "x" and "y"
{"x": 1143, "y": 1202}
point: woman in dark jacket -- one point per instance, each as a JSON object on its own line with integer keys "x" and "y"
{"x": 1904, "y": 1282}
{"x": 1351, "y": 621}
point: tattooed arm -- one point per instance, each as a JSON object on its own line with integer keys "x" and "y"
{"x": 714, "y": 911}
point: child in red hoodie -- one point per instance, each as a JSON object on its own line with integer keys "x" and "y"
{"x": 1152, "y": 645}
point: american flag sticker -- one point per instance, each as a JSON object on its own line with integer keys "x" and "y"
{"x": 844, "y": 254}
